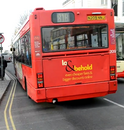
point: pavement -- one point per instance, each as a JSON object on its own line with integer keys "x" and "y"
{"x": 4, "y": 85}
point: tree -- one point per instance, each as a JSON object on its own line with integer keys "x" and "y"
{"x": 22, "y": 19}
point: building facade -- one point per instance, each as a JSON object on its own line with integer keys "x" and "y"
{"x": 117, "y": 5}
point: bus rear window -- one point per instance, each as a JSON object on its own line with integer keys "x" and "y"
{"x": 81, "y": 37}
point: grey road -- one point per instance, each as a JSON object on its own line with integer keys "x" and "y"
{"x": 104, "y": 113}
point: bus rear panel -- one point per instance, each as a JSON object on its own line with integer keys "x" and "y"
{"x": 73, "y": 55}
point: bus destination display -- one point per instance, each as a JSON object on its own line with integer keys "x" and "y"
{"x": 63, "y": 17}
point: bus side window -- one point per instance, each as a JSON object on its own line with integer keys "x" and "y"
{"x": 29, "y": 49}
{"x": 26, "y": 49}
{"x": 22, "y": 50}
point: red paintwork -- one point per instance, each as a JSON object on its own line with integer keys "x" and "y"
{"x": 120, "y": 74}
{"x": 56, "y": 71}
{"x": 58, "y": 84}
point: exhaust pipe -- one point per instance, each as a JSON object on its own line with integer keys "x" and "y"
{"x": 54, "y": 101}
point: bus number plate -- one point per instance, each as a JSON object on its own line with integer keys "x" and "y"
{"x": 91, "y": 18}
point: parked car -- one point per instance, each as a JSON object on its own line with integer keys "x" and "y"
{"x": 7, "y": 57}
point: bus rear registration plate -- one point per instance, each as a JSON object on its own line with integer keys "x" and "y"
{"x": 90, "y": 18}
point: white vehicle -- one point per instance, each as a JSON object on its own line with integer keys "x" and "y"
{"x": 120, "y": 54}
{"x": 7, "y": 57}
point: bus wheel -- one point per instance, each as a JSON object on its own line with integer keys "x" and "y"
{"x": 26, "y": 87}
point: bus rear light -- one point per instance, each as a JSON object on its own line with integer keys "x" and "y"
{"x": 40, "y": 80}
{"x": 112, "y": 69}
{"x": 112, "y": 72}
{"x": 113, "y": 77}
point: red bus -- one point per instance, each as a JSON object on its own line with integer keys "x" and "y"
{"x": 67, "y": 54}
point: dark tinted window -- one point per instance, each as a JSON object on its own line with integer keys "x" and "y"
{"x": 23, "y": 49}
{"x": 74, "y": 37}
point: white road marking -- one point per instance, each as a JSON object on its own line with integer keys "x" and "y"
{"x": 117, "y": 104}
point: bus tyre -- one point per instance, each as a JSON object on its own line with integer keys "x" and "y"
{"x": 26, "y": 88}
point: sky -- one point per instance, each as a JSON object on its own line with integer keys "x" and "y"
{"x": 11, "y": 10}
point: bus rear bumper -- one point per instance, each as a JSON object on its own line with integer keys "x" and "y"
{"x": 75, "y": 92}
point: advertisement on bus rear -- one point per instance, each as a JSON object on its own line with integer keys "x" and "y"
{"x": 76, "y": 70}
